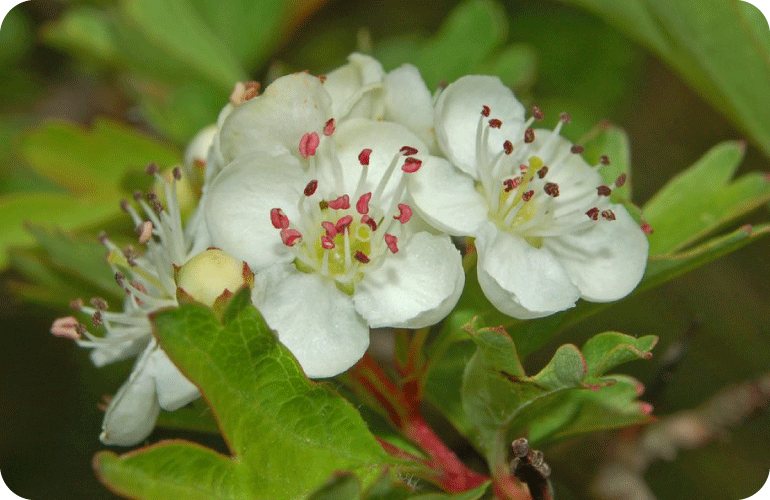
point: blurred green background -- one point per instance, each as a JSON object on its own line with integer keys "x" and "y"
{"x": 83, "y": 61}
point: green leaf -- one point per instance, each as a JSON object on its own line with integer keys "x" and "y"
{"x": 343, "y": 486}
{"x": 516, "y": 66}
{"x": 84, "y": 31}
{"x": 473, "y": 494}
{"x": 715, "y": 47}
{"x": 614, "y": 143}
{"x": 607, "y": 350}
{"x": 703, "y": 198}
{"x": 287, "y": 434}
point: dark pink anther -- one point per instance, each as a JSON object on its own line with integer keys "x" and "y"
{"x": 511, "y": 184}
{"x": 329, "y": 127}
{"x": 331, "y": 229}
{"x": 529, "y": 136}
{"x": 495, "y": 123}
{"x": 608, "y": 214}
{"x": 322, "y": 78}
{"x": 565, "y": 117}
{"x": 363, "y": 156}
{"x": 411, "y": 165}
{"x": 66, "y": 327}
{"x": 327, "y": 243}
{"x": 485, "y": 110}
{"x": 365, "y": 219}
{"x": 408, "y": 150}
{"x": 523, "y": 168}
{"x": 311, "y": 187}
{"x": 604, "y": 160}
{"x": 646, "y": 228}
{"x": 621, "y": 180}
{"x": 528, "y": 195}
{"x": 551, "y": 189}
{"x": 343, "y": 223}
{"x": 646, "y": 408}
{"x": 341, "y": 203}
{"x": 362, "y": 205}
{"x": 508, "y": 147}
{"x": 361, "y": 257}
{"x": 392, "y": 242}
{"x": 593, "y": 214}
{"x": 603, "y": 191}
{"x": 542, "y": 172}
{"x": 576, "y": 150}
{"x": 177, "y": 173}
{"x": 290, "y": 237}
{"x": 279, "y": 219}
{"x": 308, "y": 144}
{"x": 404, "y": 213}
{"x": 537, "y": 113}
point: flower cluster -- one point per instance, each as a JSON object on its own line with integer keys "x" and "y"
{"x": 341, "y": 193}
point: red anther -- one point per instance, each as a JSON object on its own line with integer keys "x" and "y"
{"x": 411, "y": 165}
{"x": 392, "y": 242}
{"x": 537, "y": 113}
{"x": 120, "y": 279}
{"x": 311, "y": 187}
{"x": 290, "y": 237}
{"x": 528, "y": 195}
{"x": 251, "y": 90}
{"x": 365, "y": 219}
{"x": 362, "y": 205}
{"x": 404, "y": 213}
{"x": 529, "y": 135}
{"x": 495, "y": 123}
{"x": 577, "y": 149}
{"x": 341, "y": 203}
{"x": 124, "y": 205}
{"x": 102, "y": 237}
{"x": 608, "y": 214}
{"x": 621, "y": 180}
{"x": 523, "y": 168}
{"x": 408, "y": 150}
{"x": 604, "y": 190}
{"x": 361, "y": 257}
{"x": 343, "y": 223}
{"x": 542, "y": 172}
{"x": 177, "y": 173}
{"x": 508, "y": 147}
{"x": 593, "y": 214}
{"x": 646, "y": 228}
{"x": 363, "y": 156}
{"x": 551, "y": 189}
{"x": 485, "y": 110}
{"x": 646, "y": 408}
{"x": 331, "y": 229}
{"x": 278, "y": 218}
{"x": 604, "y": 160}
{"x": 97, "y": 319}
{"x": 66, "y": 327}
{"x": 511, "y": 184}
{"x": 152, "y": 168}
{"x": 327, "y": 243}
{"x": 322, "y": 78}
{"x": 565, "y": 117}
{"x": 308, "y": 144}
{"x": 329, "y": 127}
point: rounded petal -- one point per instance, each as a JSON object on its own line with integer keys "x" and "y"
{"x": 385, "y": 139}
{"x": 132, "y": 412}
{"x": 314, "y": 320}
{"x": 173, "y": 389}
{"x": 275, "y": 121}
{"x": 238, "y": 205}
{"x": 457, "y": 114}
{"x": 447, "y": 198}
{"x": 520, "y": 280}
{"x": 414, "y": 288}
{"x": 198, "y": 149}
{"x": 607, "y": 261}
{"x": 408, "y": 102}
{"x": 356, "y": 88}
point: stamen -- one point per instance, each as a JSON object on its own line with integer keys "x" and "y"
{"x": 369, "y": 222}
{"x": 341, "y": 203}
{"x": 311, "y": 187}
{"x": 542, "y": 172}
{"x": 243, "y": 92}
{"x": 308, "y": 144}
{"x": 551, "y": 189}
{"x": 99, "y": 303}
{"x": 362, "y": 205}
{"x": 529, "y": 136}
{"x": 508, "y": 147}
{"x": 565, "y": 117}
{"x": 576, "y": 149}
{"x": 411, "y": 165}
{"x": 392, "y": 242}
{"x": 177, "y": 173}
{"x": 511, "y": 184}
{"x": 145, "y": 232}
{"x": 361, "y": 257}
{"x": 646, "y": 228}
{"x": 404, "y": 213}
{"x": 331, "y": 229}
{"x": 593, "y": 214}
{"x": 537, "y": 113}
{"x": 322, "y": 78}
{"x": 279, "y": 219}
{"x": 329, "y": 127}
{"x": 327, "y": 243}
{"x": 495, "y": 123}
{"x": 290, "y": 237}
{"x": 604, "y": 160}
{"x": 621, "y": 180}
{"x": 408, "y": 150}
{"x": 343, "y": 223}
{"x": 66, "y": 327}
{"x": 528, "y": 195}
{"x": 152, "y": 169}
{"x": 608, "y": 214}
{"x": 363, "y": 156}
{"x": 604, "y": 191}
{"x": 485, "y": 111}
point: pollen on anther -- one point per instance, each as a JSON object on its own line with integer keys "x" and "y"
{"x": 341, "y": 203}
{"x": 99, "y": 303}
{"x": 363, "y": 156}
{"x": 327, "y": 243}
{"x": 593, "y": 213}
{"x": 311, "y": 187}
{"x": 361, "y": 257}
{"x": 511, "y": 184}
{"x": 529, "y": 136}
{"x": 145, "y": 232}
{"x": 537, "y": 113}
{"x": 152, "y": 169}
{"x": 343, "y": 223}
{"x": 411, "y": 165}
{"x": 330, "y": 228}
{"x": 577, "y": 149}
{"x": 621, "y": 180}
{"x": 542, "y": 172}
{"x": 362, "y": 205}
{"x": 528, "y": 195}
{"x": 565, "y": 117}
{"x": 604, "y": 160}
{"x": 646, "y": 228}
{"x": 603, "y": 191}
{"x": 177, "y": 172}
{"x": 290, "y": 237}
{"x": 508, "y": 147}
{"x": 365, "y": 219}
{"x": 608, "y": 214}
{"x": 551, "y": 189}
{"x": 308, "y": 144}
{"x": 485, "y": 110}
{"x": 404, "y": 213}
{"x": 495, "y": 123}
{"x": 124, "y": 205}
{"x": 329, "y": 127}
{"x": 279, "y": 219}
{"x": 408, "y": 150}
{"x": 392, "y": 242}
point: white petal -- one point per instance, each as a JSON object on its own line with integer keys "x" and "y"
{"x": 457, "y": 113}
{"x": 414, "y": 288}
{"x": 385, "y": 139}
{"x": 238, "y": 206}
{"x": 447, "y": 198}
{"x": 107, "y": 354}
{"x": 131, "y": 415}
{"x": 521, "y": 280}
{"x": 198, "y": 149}
{"x": 275, "y": 121}
{"x": 356, "y": 88}
{"x": 314, "y": 320}
{"x": 408, "y": 102}
{"x": 607, "y": 261}
{"x": 173, "y": 389}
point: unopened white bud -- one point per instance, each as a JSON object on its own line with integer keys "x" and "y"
{"x": 212, "y": 274}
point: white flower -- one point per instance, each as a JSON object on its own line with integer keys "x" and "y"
{"x": 545, "y": 230}
{"x": 318, "y": 209}
{"x": 151, "y": 283}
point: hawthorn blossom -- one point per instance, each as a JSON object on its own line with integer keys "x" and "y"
{"x": 151, "y": 282}
{"x": 318, "y": 208}
{"x": 546, "y": 231}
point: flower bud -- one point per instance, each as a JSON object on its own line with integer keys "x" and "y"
{"x": 212, "y": 274}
